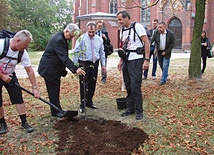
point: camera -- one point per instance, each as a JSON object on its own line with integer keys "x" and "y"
{"x": 122, "y": 54}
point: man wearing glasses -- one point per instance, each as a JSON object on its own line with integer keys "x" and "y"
{"x": 53, "y": 62}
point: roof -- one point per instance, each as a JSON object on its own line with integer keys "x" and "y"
{"x": 98, "y": 15}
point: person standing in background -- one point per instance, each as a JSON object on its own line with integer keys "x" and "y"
{"x": 88, "y": 51}
{"x": 205, "y": 43}
{"x": 164, "y": 40}
{"x": 106, "y": 40}
{"x": 152, "y": 48}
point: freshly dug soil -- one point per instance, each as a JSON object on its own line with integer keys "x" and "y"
{"x": 98, "y": 137}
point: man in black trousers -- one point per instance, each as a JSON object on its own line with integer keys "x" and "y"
{"x": 152, "y": 49}
{"x": 53, "y": 62}
{"x": 106, "y": 41}
{"x": 88, "y": 52}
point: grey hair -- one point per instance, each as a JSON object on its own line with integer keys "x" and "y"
{"x": 24, "y": 35}
{"x": 71, "y": 27}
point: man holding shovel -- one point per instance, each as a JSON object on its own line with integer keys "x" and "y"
{"x": 8, "y": 64}
{"x": 53, "y": 62}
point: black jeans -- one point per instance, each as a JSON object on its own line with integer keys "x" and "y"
{"x": 104, "y": 75}
{"x": 132, "y": 74}
{"x": 204, "y": 61}
{"x": 154, "y": 67}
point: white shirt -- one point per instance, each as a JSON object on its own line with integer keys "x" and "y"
{"x": 7, "y": 65}
{"x": 133, "y": 45}
{"x": 162, "y": 41}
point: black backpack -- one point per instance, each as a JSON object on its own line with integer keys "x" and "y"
{"x": 6, "y": 35}
{"x": 139, "y": 50}
{"x": 135, "y": 32}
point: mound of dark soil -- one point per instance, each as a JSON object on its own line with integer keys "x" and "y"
{"x": 98, "y": 137}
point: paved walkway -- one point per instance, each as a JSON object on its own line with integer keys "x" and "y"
{"x": 112, "y": 62}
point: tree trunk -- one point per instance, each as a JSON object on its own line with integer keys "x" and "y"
{"x": 195, "y": 56}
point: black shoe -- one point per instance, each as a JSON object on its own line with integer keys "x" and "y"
{"x": 82, "y": 110}
{"x": 92, "y": 106}
{"x": 59, "y": 114}
{"x": 103, "y": 81}
{"x": 162, "y": 83}
{"x": 126, "y": 113}
{"x": 139, "y": 116}
{"x": 3, "y": 128}
{"x": 27, "y": 127}
{"x": 144, "y": 78}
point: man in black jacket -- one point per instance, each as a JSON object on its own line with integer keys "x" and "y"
{"x": 152, "y": 49}
{"x": 106, "y": 40}
{"x": 164, "y": 40}
{"x": 53, "y": 62}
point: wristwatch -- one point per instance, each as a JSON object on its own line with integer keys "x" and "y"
{"x": 147, "y": 59}
{"x": 34, "y": 87}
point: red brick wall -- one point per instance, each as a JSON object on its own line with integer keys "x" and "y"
{"x": 166, "y": 14}
{"x": 210, "y": 22}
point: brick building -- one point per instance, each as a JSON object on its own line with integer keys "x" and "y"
{"x": 180, "y": 21}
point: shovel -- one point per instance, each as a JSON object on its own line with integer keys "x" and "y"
{"x": 70, "y": 114}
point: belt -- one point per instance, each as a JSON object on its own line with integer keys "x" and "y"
{"x": 130, "y": 50}
{"x": 89, "y": 62}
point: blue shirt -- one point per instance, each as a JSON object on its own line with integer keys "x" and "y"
{"x": 83, "y": 52}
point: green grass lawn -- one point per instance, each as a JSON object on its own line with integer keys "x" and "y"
{"x": 178, "y": 116}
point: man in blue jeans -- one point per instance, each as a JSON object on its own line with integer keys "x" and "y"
{"x": 164, "y": 40}
{"x": 152, "y": 54}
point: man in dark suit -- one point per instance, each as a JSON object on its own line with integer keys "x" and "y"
{"x": 106, "y": 40}
{"x": 164, "y": 39}
{"x": 53, "y": 62}
{"x": 152, "y": 48}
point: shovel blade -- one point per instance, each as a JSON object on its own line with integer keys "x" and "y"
{"x": 70, "y": 114}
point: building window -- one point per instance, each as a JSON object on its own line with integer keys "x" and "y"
{"x": 113, "y": 6}
{"x": 145, "y": 14}
{"x": 93, "y": 3}
{"x": 186, "y": 3}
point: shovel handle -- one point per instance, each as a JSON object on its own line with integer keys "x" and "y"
{"x": 29, "y": 92}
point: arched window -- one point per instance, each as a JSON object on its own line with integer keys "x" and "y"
{"x": 175, "y": 26}
{"x": 113, "y": 6}
{"x": 145, "y": 14}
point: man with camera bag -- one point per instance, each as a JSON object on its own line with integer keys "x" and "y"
{"x": 133, "y": 63}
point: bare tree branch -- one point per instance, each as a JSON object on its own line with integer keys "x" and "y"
{"x": 135, "y": 5}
